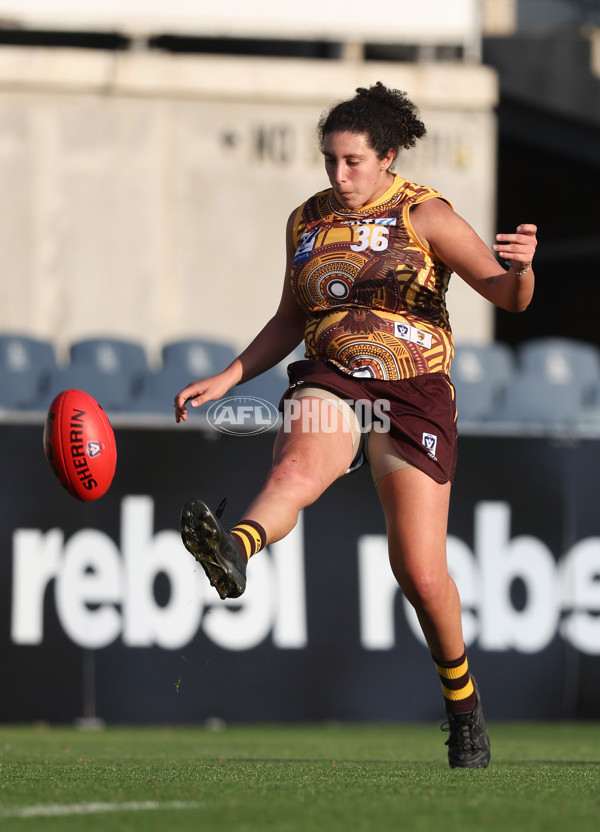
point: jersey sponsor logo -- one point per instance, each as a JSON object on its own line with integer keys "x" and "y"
{"x": 307, "y": 243}
{"x": 412, "y": 334}
{"x": 429, "y": 441}
{"x": 374, "y": 221}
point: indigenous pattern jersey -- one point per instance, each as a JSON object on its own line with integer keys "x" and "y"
{"x": 375, "y": 296}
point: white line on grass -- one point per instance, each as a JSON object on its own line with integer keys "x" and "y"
{"x": 52, "y": 810}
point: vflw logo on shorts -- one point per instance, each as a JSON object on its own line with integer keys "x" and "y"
{"x": 430, "y": 442}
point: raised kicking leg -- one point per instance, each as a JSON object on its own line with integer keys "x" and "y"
{"x": 311, "y": 452}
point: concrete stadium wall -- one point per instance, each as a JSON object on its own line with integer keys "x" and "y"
{"x": 400, "y": 21}
{"x": 144, "y": 195}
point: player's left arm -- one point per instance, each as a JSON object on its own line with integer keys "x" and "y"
{"x": 457, "y": 244}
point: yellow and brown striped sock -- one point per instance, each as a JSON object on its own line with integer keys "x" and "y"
{"x": 250, "y": 537}
{"x": 457, "y": 685}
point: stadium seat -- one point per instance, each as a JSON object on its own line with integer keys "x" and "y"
{"x": 21, "y": 353}
{"x": 530, "y": 398}
{"x": 183, "y": 362}
{"x": 187, "y": 361}
{"x": 158, "y": 391}
{"x": 25, "y": 363}
{"x": 109, "y": 369}
{"x": 475, "y": 401}
{"x": 480, "y": 373}
{"x": 198, "y": 357}
{"x": 269, "y": 386}
{"x": 589, "y": 416}
{"x": 161, "y": 386}
{"x": 475, "y": 363}
{"x": 19, "y": 391}
{"x": 112, "y": 391}
{"x": 562, "y": 361}
{"x": 111, "y": 357}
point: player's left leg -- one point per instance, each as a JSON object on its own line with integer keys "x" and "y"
{"x": 416, "y": 512}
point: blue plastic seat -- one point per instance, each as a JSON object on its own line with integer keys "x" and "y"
{"x": 479, "y": 373}
{"x": 184, "y": 361}
{"x": 112, "y": 392}
{"x": 198, "y": 357}
{"x": 188, "y": 361}
{"x": 531, "y": 398}
{"x": 474, "y": 363}
{"x": 475, "y": 401}
{"x": 109, "y": 369}
{"x": 21, "y": 353}
{"x": 25, "y": 363}
{"x": 562, "y": 361}
{"x": 158, "y": 392}
{"x": 19, "y": 391}
{"x": 270, "y": 385}
{"x": 111, "y": 356}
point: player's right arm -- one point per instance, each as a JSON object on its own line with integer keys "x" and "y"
{"x": 282, "y": 333}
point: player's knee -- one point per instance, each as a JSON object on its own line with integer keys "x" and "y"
{"x": 424, "y": 588}
{"x": 295, "y": 475}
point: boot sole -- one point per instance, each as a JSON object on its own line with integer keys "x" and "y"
{"x": 202, "y": 536}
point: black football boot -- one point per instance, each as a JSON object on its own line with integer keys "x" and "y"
{"x": 214, "y": 548}
{"x": 468, "y": 743}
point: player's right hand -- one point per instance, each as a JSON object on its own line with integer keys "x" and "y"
{"x": 197, "y": 393}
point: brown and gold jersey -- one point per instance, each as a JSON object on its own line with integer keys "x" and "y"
{"x": 375, "y": 295}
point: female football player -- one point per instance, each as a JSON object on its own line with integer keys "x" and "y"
{"x": 368, "y": 265}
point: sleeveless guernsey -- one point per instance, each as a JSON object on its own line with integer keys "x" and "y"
{"x": 375, "y": 297}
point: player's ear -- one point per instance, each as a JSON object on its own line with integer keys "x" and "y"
{"x": 388, "y": 159}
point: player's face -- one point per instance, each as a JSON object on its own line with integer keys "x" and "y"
{"x": 356, "y": 174}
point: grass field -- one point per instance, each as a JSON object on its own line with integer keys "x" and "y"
{"x": 290, "y": 778}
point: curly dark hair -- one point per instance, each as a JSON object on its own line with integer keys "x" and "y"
{"x": 387, "y": 117}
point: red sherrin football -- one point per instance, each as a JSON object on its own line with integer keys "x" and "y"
{"x": 80, "y": 445}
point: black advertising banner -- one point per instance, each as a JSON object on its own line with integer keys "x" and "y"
{"x": 103, "y": 612}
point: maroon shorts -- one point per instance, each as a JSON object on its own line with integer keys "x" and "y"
{"x": 421, "y": 411}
